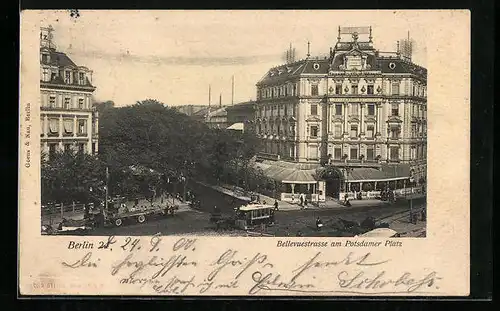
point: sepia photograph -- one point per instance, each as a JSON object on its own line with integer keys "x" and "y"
{"x": 244, "y": 152}
{"x": 316, "y": 134}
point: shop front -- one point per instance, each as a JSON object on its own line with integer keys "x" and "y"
{"x": 369, "y": 183}
{"x": 293, "y": 180}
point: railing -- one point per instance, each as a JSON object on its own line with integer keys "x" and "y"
{"x": 398, "y": 193}
{"x": 66, "y": 208}
{"x": 295, "y": 197}
{"x": 268, "y": 156}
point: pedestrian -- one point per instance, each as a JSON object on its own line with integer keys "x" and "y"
{"x": 305, "y": 202}
{"x": 276, "y": 207}
{"x": 422, "y": 215}
{"x": 271, "y": 217}
{"x": 86, "y": 212}
{"x": 319, "y": 223}
{"x": 301, "y": 198}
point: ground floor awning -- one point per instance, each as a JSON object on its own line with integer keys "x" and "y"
{"x": 236, "y": 126}
{"x": 386, "y": 173}
{"x": 289, "y": 172}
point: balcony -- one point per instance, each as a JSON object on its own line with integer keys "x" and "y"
{"x": 81, "y": 134}
{"x": 48, "y": 108}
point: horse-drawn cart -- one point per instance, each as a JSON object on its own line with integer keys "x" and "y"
{"x": 138, "y": 215}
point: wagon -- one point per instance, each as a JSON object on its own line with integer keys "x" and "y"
{"x": 139, "y": 215}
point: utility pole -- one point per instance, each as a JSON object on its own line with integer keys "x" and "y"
{"x": 220, "y": 100}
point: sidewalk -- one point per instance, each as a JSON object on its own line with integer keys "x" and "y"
{"x": 287, "y": 206}
{"x": 55, "y": 219}
{"x": 400, "y": 222}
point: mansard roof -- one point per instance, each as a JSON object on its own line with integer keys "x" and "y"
{"x": 385, "y": 64}
{"x": 399, "y": 65}
{"x": 286, "y": 72}
{"x": 59, "y": 59}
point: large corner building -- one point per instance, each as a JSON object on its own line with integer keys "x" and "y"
{"x": 359, "y": 113}
{"x": 69, "y": 122}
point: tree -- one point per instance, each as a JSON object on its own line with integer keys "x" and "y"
{"x": 70, "y": 177}
{"x": 155, "y": 137}
{"x": 103, "y": 106}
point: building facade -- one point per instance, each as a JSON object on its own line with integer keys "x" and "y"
{"x": 242, "y": 114}
{"x": 68, "y": 120}
{"x": 216, "y": 118}
{"x": 357, "y": 108}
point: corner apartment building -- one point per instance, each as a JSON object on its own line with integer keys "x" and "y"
{"x": 359, "y": 110}
{"x": 68, "y": 120}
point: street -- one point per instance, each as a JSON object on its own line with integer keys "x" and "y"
{"x": 196, "y": 222}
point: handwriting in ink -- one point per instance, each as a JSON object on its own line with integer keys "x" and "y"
{"x": 85, "y": 261}
{"x": 164, "y": 266}
{"x": 131, "y": 244}
{"x": 228, "y": 259}
{"x": 174, "y": 285}
{"x": 270, "y": 281}
{"x": 105, "y": 245}
{"x": 362, "y": 282}
{"x": 155, "y": 243}
{"x": 185, "y": 244}
{"x": 362, "y": 260}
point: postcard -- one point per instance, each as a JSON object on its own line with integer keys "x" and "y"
{"x": 244, "y": 152}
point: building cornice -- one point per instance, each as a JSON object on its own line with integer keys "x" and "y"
{"x": 72, "y": 87}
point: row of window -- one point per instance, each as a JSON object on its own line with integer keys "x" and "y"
{"x": 70, "y": 77}
{"x": 354, "y": 109}
{"x": 276, "y": 109}
{"x": 353, "y": 89}
{"x": 68, "y": 127}
{"x": 66, "y": 103}
{"x": 417, "y": 152}
{"x": 278, "y": 91}
{"x": 70, "y": 147}
{"x": 264, "y": 129}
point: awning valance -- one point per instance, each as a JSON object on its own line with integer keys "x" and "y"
{"x": 386, "y": 173}
{"x": 236, "y": 126}
{"x": 287, "y": 172}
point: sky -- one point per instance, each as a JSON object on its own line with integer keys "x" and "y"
{"x": 173, "y": 56}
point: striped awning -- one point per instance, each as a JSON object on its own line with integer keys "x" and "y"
{"x": 288, "y": 172}
{"x": 386, "y": 173}
{"x": 236, "y": 126}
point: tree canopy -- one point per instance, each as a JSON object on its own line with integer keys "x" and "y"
{"x": 151, "y": 135}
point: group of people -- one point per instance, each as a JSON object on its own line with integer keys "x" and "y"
{"x": 387, "y": 195}
{"x": 302, "y": 201}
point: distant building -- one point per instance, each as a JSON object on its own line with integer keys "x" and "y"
{"x": 241, "y": 114}
{"x": 68, "y": 120}
{"x": 216, "y": 118}
{"x": 360, "y": 112}
{"x": 191, "y": 110}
